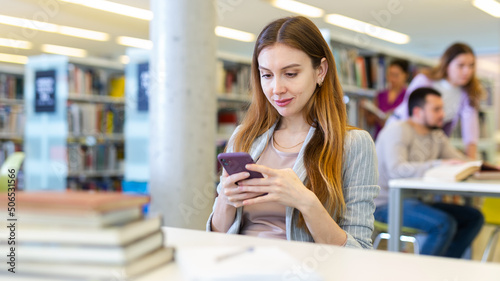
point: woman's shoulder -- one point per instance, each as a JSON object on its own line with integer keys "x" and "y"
{"x": 357, "y": 139}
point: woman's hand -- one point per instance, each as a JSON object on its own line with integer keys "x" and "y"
{"x": 231, "y": 193}
{"x": 281, "y": 186}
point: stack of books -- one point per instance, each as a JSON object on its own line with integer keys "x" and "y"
{"x": 83, "y": 235}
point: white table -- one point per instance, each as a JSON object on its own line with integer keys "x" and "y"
{"x": 400, "y": 188}
{"x": 332, "y": 262}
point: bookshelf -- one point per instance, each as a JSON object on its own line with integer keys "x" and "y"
{"x": 73, "y": 135}
{"x": 233, "y": 98}
{"x": 11, "y": 110}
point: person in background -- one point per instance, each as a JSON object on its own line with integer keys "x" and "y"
{"x": 455, "y": 78}
{"x": 388, "y": 99}
{"x": 407, "y": 149}
{"x": 320, "y": 175}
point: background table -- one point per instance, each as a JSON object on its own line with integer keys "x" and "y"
{"x": 400, "y": 188}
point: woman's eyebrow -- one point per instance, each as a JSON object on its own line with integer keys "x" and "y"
{"x": 288, "y": 66}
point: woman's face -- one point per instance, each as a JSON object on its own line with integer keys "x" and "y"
{"x": 461, "y": 69}
{"x": 288, "y": 78}
{"x": 396, "y": 76}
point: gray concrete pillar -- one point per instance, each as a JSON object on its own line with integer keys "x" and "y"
{"x": 183, "y": 111}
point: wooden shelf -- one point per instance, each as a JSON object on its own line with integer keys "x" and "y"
{"x": 98, "y": 137}
{"x": 11, "y": 101}
{"x": 234, "y": 98}
{"x": 358, "y": 91}
{"x": 96, "y": 173}
{"x": 95, "y": 99}
{"x": 11, "y": 136}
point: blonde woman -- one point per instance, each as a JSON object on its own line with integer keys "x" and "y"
{"x": 320, "y": 175}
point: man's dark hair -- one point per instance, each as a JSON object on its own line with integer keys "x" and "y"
{"x": 417, "y": 98}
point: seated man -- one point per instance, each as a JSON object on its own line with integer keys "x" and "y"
{"x": 407, "y": 149}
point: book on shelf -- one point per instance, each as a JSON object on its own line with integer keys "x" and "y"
{"x": 84, "y": 119}
{"x": 11, "y": 86}
{"x": 12, "y": 119}
{"x": 452, "y": 172}
{"x": 233, "y": 78}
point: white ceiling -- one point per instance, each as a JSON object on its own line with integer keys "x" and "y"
{"x": 431, "y": 24}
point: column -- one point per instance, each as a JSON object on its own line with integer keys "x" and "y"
{"x": 182, "y": 111}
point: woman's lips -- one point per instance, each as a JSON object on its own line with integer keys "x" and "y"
{"x": 283, "y": 102}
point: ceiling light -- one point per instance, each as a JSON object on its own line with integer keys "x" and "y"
{"x": 83, "y": 33}
{"x": 18, "y": 44}
{"x": 13, "y": 58}
{"x": 234, "y": 34}
{"x": 54, "y": 28}
{"x": 135, "y": 42}
{"x": 116, "y": 8}
{"x": 298, "y": 8}
{"x": 368, "y": 29}
{"x": 491, "y": 7}
{"x": 61, "y": 50}
{"x": 124, "y": 59}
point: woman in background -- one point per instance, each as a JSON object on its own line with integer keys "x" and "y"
{"x": 388, "y": 99}
{"x": 320, "y": 175}
{"x": 455, "y": 78}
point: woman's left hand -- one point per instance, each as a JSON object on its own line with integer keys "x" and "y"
{"x": 282, "y": 186}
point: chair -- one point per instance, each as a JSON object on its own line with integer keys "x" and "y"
{"x": 408, "y": 235}
{"x": 14, "y": 161}
{"x": 491, "y": 212}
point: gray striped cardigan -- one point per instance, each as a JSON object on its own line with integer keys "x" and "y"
{"x": 359, "y": 175}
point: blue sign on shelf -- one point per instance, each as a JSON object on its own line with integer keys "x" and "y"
{"x": 143, "y": 94}
{"x": 45, "y": 91}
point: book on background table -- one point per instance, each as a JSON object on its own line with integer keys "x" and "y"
{"x": 487, "y": 172}
{"x": 134, "y": 268}
{"x": 71, "y": 201}
{"x": 85, "y": 254}
{"x": 107, "y": 236}
{"x": 452, "y": 172}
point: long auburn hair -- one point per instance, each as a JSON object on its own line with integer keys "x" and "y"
{"x": 473, "y": 87}
{"x": 325, "y": 110}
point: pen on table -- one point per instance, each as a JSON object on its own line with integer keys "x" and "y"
{"x": 233, "y": 254}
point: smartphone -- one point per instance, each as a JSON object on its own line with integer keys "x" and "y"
{"x": 234, "y": 162}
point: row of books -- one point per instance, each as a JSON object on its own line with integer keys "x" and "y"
{"x": 92, "y": 81}
{"x": 11, "y": 86}
{"x": 12, "y": 119}
{"x": 84, "y": 119}
{"x": 95, "y": 183}
{"x": 362, "y": 71}
{"x": 83, "y": 236}
{"x": 233, "y": 78}
{"x": 99, "y": 157}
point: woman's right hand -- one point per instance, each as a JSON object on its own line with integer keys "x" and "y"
{"x": 231, "y": 192}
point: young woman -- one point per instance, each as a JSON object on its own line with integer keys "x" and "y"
{"x": 388, "y": 99}
{"x": 320, "y": 175}
{"x": 456, "y": 80}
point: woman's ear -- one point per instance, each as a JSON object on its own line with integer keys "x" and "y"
{"x": 321, "y": 71}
